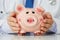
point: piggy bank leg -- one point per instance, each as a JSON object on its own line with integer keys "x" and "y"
{"x": 37, "y": 33}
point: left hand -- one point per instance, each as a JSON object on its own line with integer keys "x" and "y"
{"x": 47, "y": 23}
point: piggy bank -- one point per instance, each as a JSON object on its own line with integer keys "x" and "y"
{"x": 29, "y": 19}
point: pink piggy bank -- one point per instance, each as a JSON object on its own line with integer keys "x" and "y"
{"x": 29, "y": 19}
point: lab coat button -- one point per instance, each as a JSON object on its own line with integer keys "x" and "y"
{"x": 52, "y": 2}
{"x": 1, "y": 11}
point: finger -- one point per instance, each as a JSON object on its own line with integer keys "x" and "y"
{"x": 48, "y": 21}
{"x": 37, "y": 34}
{"x": 47, "y": 26}
{"x": 12, "y": 24}
{"x": 15, "y": 29}
{"x": 47, "y": 15}
{"x": 12, "y": 19}
{"x": 43, "y": 29}
{"x": 42, "y": 24}
{"x": 42, "y": 32}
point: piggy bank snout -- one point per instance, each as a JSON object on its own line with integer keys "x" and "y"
{"x": 30, "y": 20}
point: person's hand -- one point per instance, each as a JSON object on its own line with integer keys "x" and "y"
{"x": 46, "y": 24}
{"x": 13, "y": 22}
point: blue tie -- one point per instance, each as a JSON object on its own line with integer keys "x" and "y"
{"x": 29, "y": 3}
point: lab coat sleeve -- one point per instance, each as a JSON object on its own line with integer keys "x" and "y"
{"x": 53, "y": 28}
{"x": 57, "y": 20}
{"x": 5, "y": 27}
{"x": 56, "y": 26}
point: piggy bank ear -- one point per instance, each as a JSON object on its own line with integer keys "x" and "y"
{"x": 19, "y": 8}
{"x": 39, "y": 9}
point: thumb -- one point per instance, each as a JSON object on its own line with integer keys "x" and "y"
{"x": 47, "y": 15}
{"x": 13, "y": 14}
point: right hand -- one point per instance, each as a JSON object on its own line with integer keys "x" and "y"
{"x": 13, "y": 22}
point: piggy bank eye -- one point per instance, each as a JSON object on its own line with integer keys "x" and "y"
{"x": 27, "y": 12}
{"x": 33, "y": 12}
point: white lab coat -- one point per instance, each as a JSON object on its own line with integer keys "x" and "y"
{"x": 8, "y": 6}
